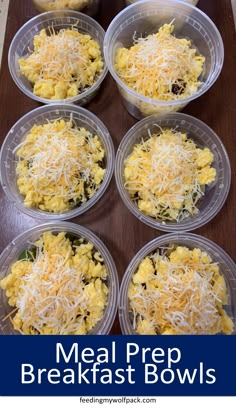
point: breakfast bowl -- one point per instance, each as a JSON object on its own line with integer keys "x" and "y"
{"x": 89, "y": 7}
{"x": 56, "y": 162}
{"x": 57, "y": 56}
{"x": 179, "y": 284}
{"x": 172, "y": 172}
{"x": 57, "y": 278}
{"x": 162, "y": 55}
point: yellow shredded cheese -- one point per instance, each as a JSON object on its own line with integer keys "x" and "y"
{"x": 60, "y": 166}
{"x": 166, "y": 175}
{"x": 179, "y": 291}
{"x": 161, "y": 66}
{"x": 63, "y": 64}
{"x": 60, "y": 290}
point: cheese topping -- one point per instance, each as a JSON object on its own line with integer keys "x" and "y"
{"x": 166, "y": 175}
{"x": 59, "y": 287}
{"x": 179, "y": 291}
{"x": 60, "y": 166}
{"x": 161, "y": 66}
{"x": 63, "y": 64}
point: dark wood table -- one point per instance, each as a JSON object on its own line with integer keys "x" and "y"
{"x": 123, "y": 234}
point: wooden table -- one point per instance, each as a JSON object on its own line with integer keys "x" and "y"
{"x": 123, "y": 234}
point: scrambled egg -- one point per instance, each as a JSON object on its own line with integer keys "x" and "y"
{"x": 60, "y": 166}
{"x": 166, "y": 175}
{"x": 48, "y": 5}
{"x": 179, "y": 291}
{"x": 63, "y": 64}
{"x": 57, "y": 287}
{"x": 161, "y": 66}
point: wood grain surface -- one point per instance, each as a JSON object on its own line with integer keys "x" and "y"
{"x": 4, "y": 4}
{"x": 123, "y": 234}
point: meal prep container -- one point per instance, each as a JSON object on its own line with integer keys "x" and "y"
{"x": 203, "y": 136}
{"x": 18, "y": 133}
{"x": 25, "y": 240}
{"x": 227, "y": 269}
{"x": 146, "y": 17}
{"x": 23, "y": 41}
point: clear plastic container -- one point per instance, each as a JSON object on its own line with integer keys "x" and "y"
{"x": 226, "y": 264}
{"x": 19, "y": 131}
{"x": 23, "y": 42}
{"x": 89, "y": 7}
{"x": 146, "y": 17}
{"x": 203, "y": 136}
{"x": 193, "y": 2}
{"x": 25, "y": 240}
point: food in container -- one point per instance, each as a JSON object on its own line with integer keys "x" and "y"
{"x": 60, "y": 166}
{"x": 172, "y": 172}
{"x": 62, "y": 64}
{"x": 56, "y": 162}
{"x": 166, "y": 175}
{"x": 57, "y": 56}
{"x": 179, "y": 284}
{"x": 161, "y": 66}
{"x": 86, "y": 6}
{"x": 136, "y": 32}
{"x": 57, "y": 278}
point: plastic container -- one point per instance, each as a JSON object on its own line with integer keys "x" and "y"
{"x": 146, "y": 17}
{"x": 18, "y": 133}
{"x": 203, "y": 136}
{"x": 193, "y": 2}
{"x": 89, "y": 7}
{"x": 226, "y": 264}
{"x": 23, "y": 41}
{"x": 25, "y": 240}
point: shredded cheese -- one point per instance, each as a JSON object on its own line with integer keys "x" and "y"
{"x": 62, "y": 291}
{"x": 161, "y": 66}
{"x": 62, "y": 64}
{"x": 60, "y": 166}
{"x": 166, "y": 175}
{"x": 179, "y": 291}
